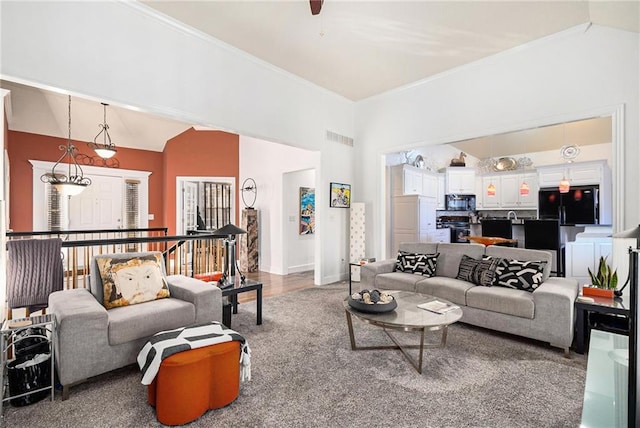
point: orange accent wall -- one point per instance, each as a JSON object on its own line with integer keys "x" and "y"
{"x": 198, "y": 154}
{"x": 23, "y": 146}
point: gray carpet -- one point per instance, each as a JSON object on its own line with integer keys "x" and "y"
{"x": 304, "y": 375}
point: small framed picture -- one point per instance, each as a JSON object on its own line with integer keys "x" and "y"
{"x": 340, "y": 195}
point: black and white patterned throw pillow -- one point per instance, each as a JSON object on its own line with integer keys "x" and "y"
{"x": 418, "y": 264}
{"x": 479, "y": 272}
{"x": 520, "y": 275}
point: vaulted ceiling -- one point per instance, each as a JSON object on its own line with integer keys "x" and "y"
{"x": 356, "y": 48}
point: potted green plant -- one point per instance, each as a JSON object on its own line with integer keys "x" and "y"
{"x": 603, "y": 282}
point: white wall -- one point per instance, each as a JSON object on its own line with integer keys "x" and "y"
{"x": 299, "y": 249}
{"x": 559, "y": 78}
{"x": 267, "y": 163}
{"x": 126, "y": 54}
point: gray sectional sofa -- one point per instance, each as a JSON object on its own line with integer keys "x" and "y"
{"x": 546, "y": 314}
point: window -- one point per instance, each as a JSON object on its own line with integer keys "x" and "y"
{"x": 131, "y": 214}
{"x": 217, "y": 204}
{"x": 56, "y": 209}
{"x": 131, "y": 204}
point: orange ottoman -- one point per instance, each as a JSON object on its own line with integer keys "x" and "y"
{"x": 191, "y": 382}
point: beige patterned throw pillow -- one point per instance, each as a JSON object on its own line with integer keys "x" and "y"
{"x": 131, "y": 281}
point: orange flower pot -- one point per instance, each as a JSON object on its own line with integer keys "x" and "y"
{"x": 597, "y": 292}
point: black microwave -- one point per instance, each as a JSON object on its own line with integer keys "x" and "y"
{"x": 460, "y": 202}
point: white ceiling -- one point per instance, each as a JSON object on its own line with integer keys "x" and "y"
{"x": 355, "y": 48}
{"x": 361, "y": 48}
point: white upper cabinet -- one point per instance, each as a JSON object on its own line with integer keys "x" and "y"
{"x": 409, "y": 180}
{"x": 491, "y": 201}
{"x": 507, "y": 195}
{"x": 510, "y": 196}
{"x": 461, "y": 180}
{"x": 430, "y": 185}
{"x": 406, "y": 180}
{"x": 441, "y": 192}
{"x": 578, "y": 173}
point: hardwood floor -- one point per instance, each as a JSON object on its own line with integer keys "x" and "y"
{"x": 273, "y": 285}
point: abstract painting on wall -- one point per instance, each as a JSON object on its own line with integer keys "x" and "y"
{"x": 307, "y": 210}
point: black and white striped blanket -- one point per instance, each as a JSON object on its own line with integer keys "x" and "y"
{"x": 167, "y": 343}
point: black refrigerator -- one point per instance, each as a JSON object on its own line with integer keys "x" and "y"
{"x": 578, "y": 206}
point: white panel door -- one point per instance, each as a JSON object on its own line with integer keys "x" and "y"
{"x": 99, "y": 206}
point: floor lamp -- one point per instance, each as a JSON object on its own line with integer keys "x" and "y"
{"x": 229, "y": 231}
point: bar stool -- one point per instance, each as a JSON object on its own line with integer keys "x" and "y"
{"x": 545, "y": 235}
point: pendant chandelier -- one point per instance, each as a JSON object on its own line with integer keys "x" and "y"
{"x": 73, "y": 183}
{"x": 106, "y": 149}
{"x": 569, "y": 153}
{"x": 524, "y": 162}
{"x": 491, "y": 189}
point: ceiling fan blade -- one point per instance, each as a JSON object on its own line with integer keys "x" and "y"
{"x": 316, "y": 6}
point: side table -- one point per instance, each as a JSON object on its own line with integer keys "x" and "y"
{"x": 8, "y": 342}
{"x": 618, "y": 307}
{"x": 231, "y": 292}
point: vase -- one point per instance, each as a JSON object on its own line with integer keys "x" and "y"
{"x": 597, "y": 292}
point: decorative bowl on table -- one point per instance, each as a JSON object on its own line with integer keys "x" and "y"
{"x": 372, "y": 301}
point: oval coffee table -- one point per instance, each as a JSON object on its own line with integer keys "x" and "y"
{"x": 407, "y": 317}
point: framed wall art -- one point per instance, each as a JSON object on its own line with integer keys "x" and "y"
{"x": 340, "y": 195}
{"x": 307, "y": 210}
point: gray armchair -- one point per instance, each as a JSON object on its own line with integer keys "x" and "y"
{"x": 92, "y": 340}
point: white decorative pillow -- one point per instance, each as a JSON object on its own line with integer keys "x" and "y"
{"x": 131, "y": 281}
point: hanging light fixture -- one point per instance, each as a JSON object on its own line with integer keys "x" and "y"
{"x": 491, "y": 189}
{"x": 564, "y": 185}
{"x": 568, "y": 153}
{"x": 106, "y": 149}
{"x": 524, "y": 162}
{"x": 73, "y": 183}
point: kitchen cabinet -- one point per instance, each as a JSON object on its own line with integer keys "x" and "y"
{"x": 585, "y": 252}
{"x": 507, "y": 191}
{"x": 440, "y": 200}
{"x": 460, "y": 180}
{"x": 430, "y": 185}
{"x": 491, "y": 201}
{"x": 409, "y": 180}
{"x": 578, "y": 173}
{"x": 413, "y": 220}
{"x": 510, "y": 197}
